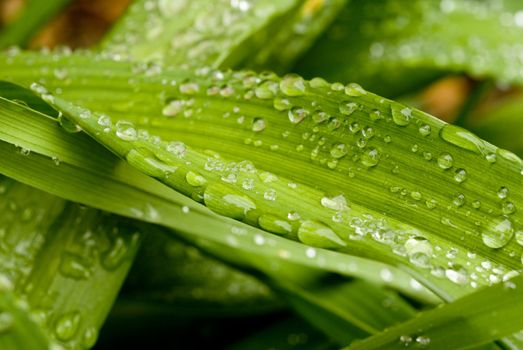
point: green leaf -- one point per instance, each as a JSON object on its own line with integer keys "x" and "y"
{"x": 83, "y": 177}
{"x": 289, "y": 334}
{"x": 35, "y": 14}
{"x": 59, "y": 255}
{"x": 346, "y": 311}
{"x": 391, "y": 48}
{"x": 188, "y": 282}
{"x": 474, "y": 320}
{"x": 394, "y": 166}
{"x": 17, "y": 328}
{"x": 195, "y": 32}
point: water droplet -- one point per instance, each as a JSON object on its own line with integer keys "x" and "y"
{"x": 445, "y": 161}
{"x": 405, "y": 340}
{"x": 74, "y": 267}
{"x": 317, "y": 83}
{"x": 459, "y": 200}
{"x": 274, "y": 224}
{"x": 258, "y": 125}
{"x": 266, "y": 90}
{"x": 401, "y": 115}
{"x": 105, "y": 121}
{"x": 347, "y": 108}
{"x": 122, "y": 248}
{"x": 354, "y": 90}
{"x": 195, "y": 179}
{"x": 69, "y": 126}
{"x": 423, "y": 340}
{"x": 460, "y": 175}
{"x": 281, "y": 104}
{"x": 320, "y": 116}
{"x": 462, "y": 138}
{"x": 89, "y": 337}
{"x": 270, "y": 195}
{"x": 424, "y": 130}
{"x": 297, "y": 114}
{"x": 370, "y": 158}
{"x": 498, "y": 233}
{"x": 126, "y": 131}
{"x": 67, "y": 326}
{"x": 173, "y": 108}
{"x": 339, "y": 150}
{"x": 318, "y": 235}
{"x": 292, "y": 85}
{"x": 189, "y": 88}
{"x": 335, "y": 203}
{"x": 419, "y": 250}
{"x": 511, "y": 157}
{"x": 502, "y": 192}
{"x": 177, "y": 148}
{"x": 457, "y": 274}
{"x": 226, "y": 201}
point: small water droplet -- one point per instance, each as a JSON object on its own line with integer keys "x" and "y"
{"x": 347, "y": 108}
{"x": 195, "y": 179}
{"x": 424, "y": 130}
{"x": 125, "y": 130}
{"x": 67, "y": 326}
{"x": 258, "y": 125}
{"x": 370, "y": 158}
{"x": 460, "y": 175}
{"x": 457, "y": 274}
{"x": 401, "y": 115}
{"x": 173, "y": 108}
{"x": 297, "y": 114}
{"x": 177, "y": 148}
{"x": 281, "y": 104}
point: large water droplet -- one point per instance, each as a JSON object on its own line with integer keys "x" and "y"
{"x": 226, "y": 201}
{"x": 457, "y": 274}
{"x": 354, "y": 90}
{"x": 498, "y": 233}
{"x": 274, "y": 224}
{"x": 462, "y": 138}
{"x": 292, "y": 85}
{"x": 339, "y": 150}
{"x": 335, "y": 203}
{"x": 445, "y": 161}
{"x": 316, "y": 234}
